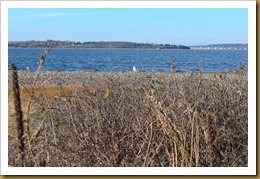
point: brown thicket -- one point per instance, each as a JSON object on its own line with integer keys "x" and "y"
{"x": 183, "y": 122}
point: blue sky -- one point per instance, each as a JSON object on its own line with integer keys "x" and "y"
{"x": 187, "y": 26}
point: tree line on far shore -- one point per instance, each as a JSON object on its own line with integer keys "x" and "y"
{"x": 91, "y": 44}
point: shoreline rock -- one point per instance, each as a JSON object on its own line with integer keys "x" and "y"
{"x": 83, "y": 77}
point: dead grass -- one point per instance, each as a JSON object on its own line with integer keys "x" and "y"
{"x": 190, "y": 122}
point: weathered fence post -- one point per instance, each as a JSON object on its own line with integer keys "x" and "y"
{"x": 173, "y": 65}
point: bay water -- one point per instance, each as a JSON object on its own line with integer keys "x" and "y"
{"x": 124, "y": 59}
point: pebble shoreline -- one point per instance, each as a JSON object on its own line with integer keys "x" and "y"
{"x": 83, "y": 77}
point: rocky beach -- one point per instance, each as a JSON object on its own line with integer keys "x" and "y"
{"x": 83, "y": 77}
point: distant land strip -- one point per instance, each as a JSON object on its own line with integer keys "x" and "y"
{"x": 121, "y": 44}
{"x": 92, "y": 44}
{"x": 228, "y": 46}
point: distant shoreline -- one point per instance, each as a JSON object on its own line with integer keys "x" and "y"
{"x": 117, "y": 48}
{"x": 95, "y": 48}
{"x": 93, "y": 44}
{"x": 121, "y": 45}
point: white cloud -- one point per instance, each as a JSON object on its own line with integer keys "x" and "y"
{"x": 51, "y": 15}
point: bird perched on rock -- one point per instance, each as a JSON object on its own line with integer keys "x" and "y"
{"x": 28, "y": 69}
{"x": 134, "y": 69}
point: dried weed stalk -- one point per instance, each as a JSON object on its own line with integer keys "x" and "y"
{"x": 18, "y": 114}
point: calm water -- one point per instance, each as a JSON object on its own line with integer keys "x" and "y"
{"x": 125, "y": 59}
